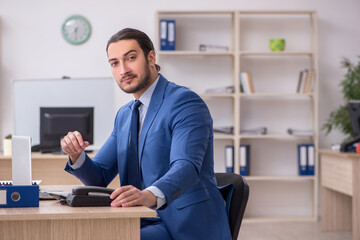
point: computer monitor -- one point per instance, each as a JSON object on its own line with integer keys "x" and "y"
{"x": 354, "y": 114}
{"x": 56, "y": 122}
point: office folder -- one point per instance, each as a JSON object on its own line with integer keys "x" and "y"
{"x": 19, "y": 196}
{"x": 302, "y": 159}
{"x": 163, "y": 35}
{"x": 171, "y": 31}
{"x": 244, "y": 159}
{"x": 310, "y": 159}
{"x": 229, "y": 158}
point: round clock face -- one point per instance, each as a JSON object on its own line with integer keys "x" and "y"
{"x": 76, "y": 29}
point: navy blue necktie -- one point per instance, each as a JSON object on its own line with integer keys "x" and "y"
{"x": 133, "y": 150}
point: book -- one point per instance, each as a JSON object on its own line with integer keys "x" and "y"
{"x": 229, "y": 158}
{"x": 300, "y": 82}
{"x": 246, "y": 82}
{"x": 244, "y": 159}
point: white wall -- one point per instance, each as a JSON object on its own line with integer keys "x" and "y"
{"x": 31, "y": 45}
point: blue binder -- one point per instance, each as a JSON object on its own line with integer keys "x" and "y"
{"x": 163, "y": 35}
{"x": 171, "y": 34}
{"x": 302, "y": 159}
{"x": 19, "y": 196}
{"x": 310, "y": 159}
{"x": 229, "y": 158}
{"x": 244, "y": 159}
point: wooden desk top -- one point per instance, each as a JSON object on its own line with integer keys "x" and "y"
{"x": 351, "y": 155}
{"x": 51, "y": 210}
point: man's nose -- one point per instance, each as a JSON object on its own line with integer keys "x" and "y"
{"x": 123, "y": 69}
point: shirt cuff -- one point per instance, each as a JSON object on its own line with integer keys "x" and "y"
{"x": 79, "y": 162}
{"x": 161, "y": 200}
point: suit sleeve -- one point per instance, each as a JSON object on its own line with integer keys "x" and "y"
{"x": 102, "y": 169}
{"x": 191, "y": 126}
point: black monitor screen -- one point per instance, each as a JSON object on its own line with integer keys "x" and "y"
{"x": 354, "y": 113}
{"x": 56, "y": 122}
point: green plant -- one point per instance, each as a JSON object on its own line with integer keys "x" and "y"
{"x": 339, "y": 118}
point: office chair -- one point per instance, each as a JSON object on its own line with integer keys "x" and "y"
{"x": 235, "y": 191}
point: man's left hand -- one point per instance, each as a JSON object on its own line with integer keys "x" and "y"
{"x": 128, "y": 196}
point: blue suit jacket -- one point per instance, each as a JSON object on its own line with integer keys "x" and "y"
{"x": 176, "y": 155}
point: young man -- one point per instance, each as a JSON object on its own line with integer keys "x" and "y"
{"x": 168, "y": 164}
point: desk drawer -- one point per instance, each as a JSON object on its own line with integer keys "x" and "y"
{"x": 337, "y": 174}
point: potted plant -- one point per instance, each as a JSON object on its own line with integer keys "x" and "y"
{"x": 339, "y": 118}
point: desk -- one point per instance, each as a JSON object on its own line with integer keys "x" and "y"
{"x": 340, "y": 191}
{"x": 53, "y": 221}
{"x": 49, "y": 168}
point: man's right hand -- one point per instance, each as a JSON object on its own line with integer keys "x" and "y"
{"x": 73, "y": 144}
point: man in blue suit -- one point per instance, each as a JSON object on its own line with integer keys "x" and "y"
{"x": 173, "y": 160}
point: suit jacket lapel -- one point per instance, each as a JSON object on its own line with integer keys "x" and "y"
{"x": 154, "y": 106}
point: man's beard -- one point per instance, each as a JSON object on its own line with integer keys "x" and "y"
{"x": 143, "y": 82}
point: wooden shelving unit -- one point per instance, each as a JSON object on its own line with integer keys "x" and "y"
{"x": 238, "y": 31}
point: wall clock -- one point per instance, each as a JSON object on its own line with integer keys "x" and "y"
{"x": 76, "y": 29}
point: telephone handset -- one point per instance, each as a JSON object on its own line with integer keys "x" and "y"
{"x": 87, "y": 196}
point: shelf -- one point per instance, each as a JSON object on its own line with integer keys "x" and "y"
{"x": 276, "y": 12}
{"x": 190, "y": 12}
{"x": 193, "y": 53}
{"x": 273, "y": 136}
{"x": 249, "y": 53}
{"x": 246, "y": 33}
{"x": 275, "y": 95}
{"x": 280, "y": 178}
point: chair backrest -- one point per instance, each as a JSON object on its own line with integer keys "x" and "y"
{"x": 235, "y": 191}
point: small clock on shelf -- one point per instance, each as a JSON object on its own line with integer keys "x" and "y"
{"x": 76, "y": 29}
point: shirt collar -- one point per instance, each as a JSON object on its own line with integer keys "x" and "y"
{"x": 146, "y": 96}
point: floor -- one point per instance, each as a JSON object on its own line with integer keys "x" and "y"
{"x": 289, "y": 231}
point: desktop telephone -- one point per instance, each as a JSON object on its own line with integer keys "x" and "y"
{"x": 88, "y": 196}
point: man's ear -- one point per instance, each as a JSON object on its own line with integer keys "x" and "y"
{"x": 152, "y": 58}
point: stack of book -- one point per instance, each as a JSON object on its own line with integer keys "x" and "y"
{"x": 227, "y": 89}
{"x": 226, "y": 130}
{"x": 244, "y": 159}
{"x": 254, "y": 131}
{"x": 246, "y": 83}
{"x": 299, "y": 132}
{"x": 167, "y": 35}
{"x": 306, "y": 81}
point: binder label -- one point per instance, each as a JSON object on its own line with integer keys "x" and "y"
{"x": 2, "y": 197}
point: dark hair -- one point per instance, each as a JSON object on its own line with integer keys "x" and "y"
{"x": 142, "y": 39}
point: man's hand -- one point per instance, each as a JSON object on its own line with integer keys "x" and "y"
{"x": 73, "y": 144}
{"x": 128, "y": 196}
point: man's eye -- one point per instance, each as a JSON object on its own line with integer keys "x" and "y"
{"x": 113, "y": 64}
{"x": 131, "y": 58}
